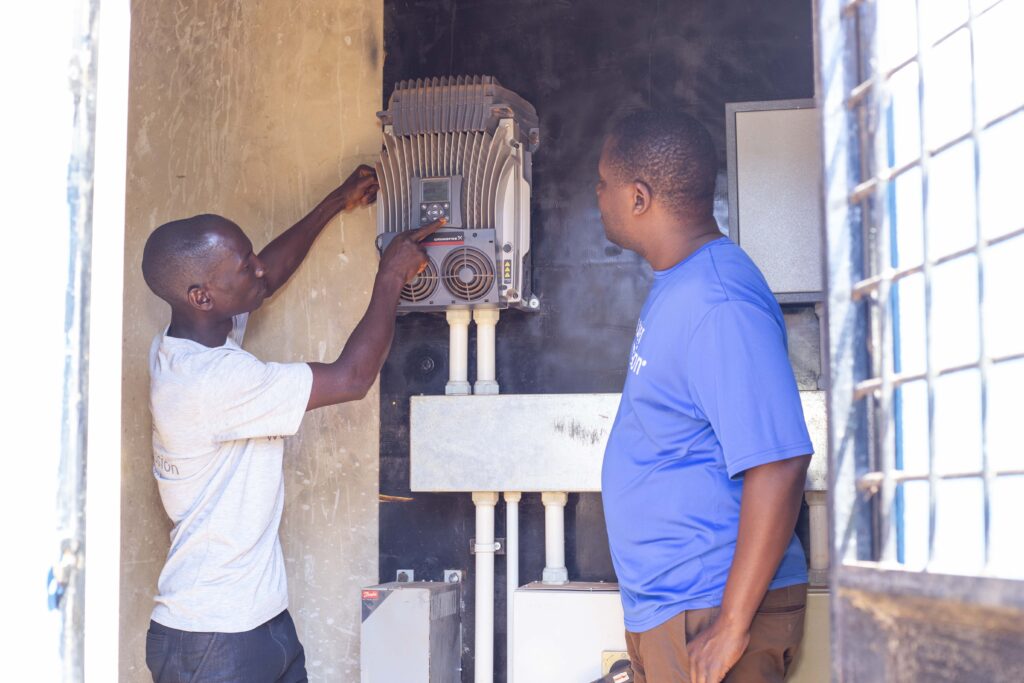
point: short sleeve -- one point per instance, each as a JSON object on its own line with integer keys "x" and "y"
{"x": 249, "y": 398}
{"x": 740, "y": 377}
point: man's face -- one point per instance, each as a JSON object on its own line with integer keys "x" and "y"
{"x": 236, "y": 283}
{"x": 614, "y": 199}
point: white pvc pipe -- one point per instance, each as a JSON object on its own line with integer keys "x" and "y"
{"x": 511, "y": 569}
{"x": 817, "y": 503}
{"x": 484, "y": 647}
{"x": 486, "y": 320}
{"x": 554, "y": 537}
{"x": 458, "y": 352}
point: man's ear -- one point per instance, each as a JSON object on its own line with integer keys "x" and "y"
{"x": 641, "y": 197}
{"x": 199, "y": 297}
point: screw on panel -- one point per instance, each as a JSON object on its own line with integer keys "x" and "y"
{"x": 453, "y": 576}
{"x": 405, "y": 575}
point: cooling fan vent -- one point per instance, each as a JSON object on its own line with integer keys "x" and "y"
{"x": 468, "y": 273}
{"x": 424, "y": 286}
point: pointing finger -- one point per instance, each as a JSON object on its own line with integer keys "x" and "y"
{"x": 426, "y": 231}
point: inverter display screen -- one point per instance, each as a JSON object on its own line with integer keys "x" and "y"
{"x": 435, "y": 190}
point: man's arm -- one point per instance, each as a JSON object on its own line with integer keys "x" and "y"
{"x": 768, "y": 511}
{"x": 283, "y": 255}
{"x": 356, "y": 369}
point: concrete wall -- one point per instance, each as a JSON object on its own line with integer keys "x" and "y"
{"x": 255, "y": 111}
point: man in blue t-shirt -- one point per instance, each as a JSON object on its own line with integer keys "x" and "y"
{"x": 704, "y": 469}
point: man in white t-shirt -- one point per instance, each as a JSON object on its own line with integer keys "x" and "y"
{"x": 218, "y": 417}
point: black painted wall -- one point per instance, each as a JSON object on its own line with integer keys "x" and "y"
{"x": 579, "y": 63}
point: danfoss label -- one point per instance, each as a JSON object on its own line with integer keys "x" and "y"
{"x": 371, "y": 595}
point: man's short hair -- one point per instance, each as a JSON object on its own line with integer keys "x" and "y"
{"x": 180, "y": 254}
{"x": 671, "y": 152}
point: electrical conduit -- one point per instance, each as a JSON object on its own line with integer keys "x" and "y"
{"x": 458, "y": 352}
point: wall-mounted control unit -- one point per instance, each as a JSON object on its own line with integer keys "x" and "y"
{"x": 460, "y": 147}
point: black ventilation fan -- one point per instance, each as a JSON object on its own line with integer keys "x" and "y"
{"x": 423, "y": 287}
{"x": 468, "y": 273}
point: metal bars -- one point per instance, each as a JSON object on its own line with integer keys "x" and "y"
{"x": 869, "y": 286}
{"x": 911, "y": 248}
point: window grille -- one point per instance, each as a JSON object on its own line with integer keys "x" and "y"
{"x": 938, "y": 191}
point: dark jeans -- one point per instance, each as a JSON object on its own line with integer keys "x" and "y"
{"x": 270, "y": 653}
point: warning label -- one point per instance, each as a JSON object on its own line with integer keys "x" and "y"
{"x": 506, "y": 270}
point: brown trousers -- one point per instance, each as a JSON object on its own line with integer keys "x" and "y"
{"x": 659, "y": 655}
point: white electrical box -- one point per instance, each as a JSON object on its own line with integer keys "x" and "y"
{"x": 464, "y": 443}
{"x": 566, "y": 633}
{"x": 411, "y": 633}
{"x": 560, "y": 633}
{"x": 461, "y": 443}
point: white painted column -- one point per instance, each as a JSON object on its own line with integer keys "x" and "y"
{"x": 484, "y": 607}
{"x": 103, "y": 474}
{"x": 458, "y": 352}
{"x": 486, "y": 320}
{"x": 512, "y": 499}
{"x": 554, "y": 537}
{"x": 817, "y": 502}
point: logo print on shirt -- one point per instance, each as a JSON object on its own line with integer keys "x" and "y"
{"x": 162, "y": 466}
{"x": 636, "y": 361}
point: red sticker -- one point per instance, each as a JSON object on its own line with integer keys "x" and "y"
{"x": 371, "y": 595}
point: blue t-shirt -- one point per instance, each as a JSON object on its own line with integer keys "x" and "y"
{"x": 709, "y": 393}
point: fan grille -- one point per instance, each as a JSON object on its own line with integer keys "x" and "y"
{"x": 467, "y": 273}
{"x": 423, "y": 286}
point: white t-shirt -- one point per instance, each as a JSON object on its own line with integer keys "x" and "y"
{"x": 218, "y": 418}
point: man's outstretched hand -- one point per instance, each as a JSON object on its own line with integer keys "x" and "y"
{"x": 359, "y": 189}
{"x": 356, "y": 369}
{"x": 405, "y": 257}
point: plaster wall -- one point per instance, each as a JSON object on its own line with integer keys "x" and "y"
{"x": 255, "y": 111}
